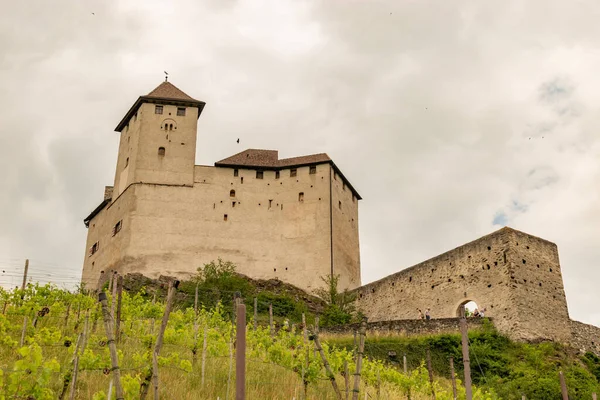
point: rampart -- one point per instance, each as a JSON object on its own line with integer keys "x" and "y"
{"x": 585, "y": 337}
{"x": 515, "y": 276}
{"x": 407, "y": 327}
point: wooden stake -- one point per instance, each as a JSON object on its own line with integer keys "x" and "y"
{"x": 240, "y": 353}
{"x": 25, "y": 277}
{"x": 195, "y": 350}
{"x": 75, "y": 367}
{"x": 204, "y": 351}
{"x": 405, "y": 365}
{"x": 111, "y": 345}
{"x": 161, "y": 333}
{"x": 230, "y": 366}
{"x": 113, "y": 298}
{"x": 119, "y": 301}
{"x": 155, "y": 374}
{"x": 86, "y": 327}
{"x": 465, "y": 352}
{"x": 430, "y": 369}
{"x": 23, "y": 332}
{"x": 304, "y": 329}
{"x": 152, "y": 320}
{"x": 67, "y": 316}
{"x": 594, "y": 396}
{"x": 255, "y": 313}
{"x": 523, "y": 397}
{"x": 100, "y": 281}
{"x": 271, "y": 320}
{"x": 359, "y": 355}
{"x": 378, "y": 389}
{"x": 563, "y": 386}
{"x": 327, "y": 367}
{"x": 346, "y": 379}
{"x": 453, "y": 378}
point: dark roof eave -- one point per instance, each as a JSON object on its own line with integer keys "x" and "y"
{"x": 162, "y": 100}
{"x": 96, "y": 211}
{"x": 279, "y": 168}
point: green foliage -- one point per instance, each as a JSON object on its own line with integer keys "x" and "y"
{"x": 340, "y": 306}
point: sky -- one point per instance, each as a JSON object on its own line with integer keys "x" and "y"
{"x": 451, "y": 119}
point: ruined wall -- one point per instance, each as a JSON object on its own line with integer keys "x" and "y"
{"x": 407, "y": 327}
{"x": 266, "y": 226}
{"x": 585, "y": 337}
{"x": 527, "y": 302}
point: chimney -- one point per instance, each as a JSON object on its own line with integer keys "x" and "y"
{"x": 108, "y": 192}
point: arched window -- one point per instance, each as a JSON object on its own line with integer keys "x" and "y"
{"x": 161, "y": 151}
{"x": 166, "y": 126}
{"x": 232, "y": 193}
{"x": 170, "y": 127}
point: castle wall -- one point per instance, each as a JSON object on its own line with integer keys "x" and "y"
{"x": 585, "y": 337}
{"x": 112, "y": 248}
{"x": 406, "y": 327}
{"x": 269, "y": 231}
{"x": 488, "y": 272}
{"x": 346, "y": 250}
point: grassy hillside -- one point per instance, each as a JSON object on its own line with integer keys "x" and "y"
{"x": 499, "y": 365}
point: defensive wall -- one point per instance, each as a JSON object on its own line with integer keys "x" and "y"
{"x": 408, "y": 327}
{"x": 515, "y": 276}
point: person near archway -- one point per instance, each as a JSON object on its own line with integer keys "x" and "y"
{"x": 427, "y": 314}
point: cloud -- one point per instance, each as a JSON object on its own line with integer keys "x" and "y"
{"x": 450, "y": 119}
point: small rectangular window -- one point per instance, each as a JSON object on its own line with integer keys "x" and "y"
{"x": 301, "y": 197}
{"x": 158, "y": 109}
{"x": 276, "y": 174}
{"x": 293, "y": 172}
{"x": 259, "y": 174}
{"x": 161, "y": 151}
{"x": 340, "y": 205}
{"x": 270, "y": 204}
{"x": 181, "y": 111}
{"x": 344, "y": 185}
{"x": 313, "y": 170}
{"x": 235, "y": 172}
{"x": 224, "y": 217}
{"x": 134, "y": 117}
{"x": 117, "y": 228}
{"x": 94, "y": 248}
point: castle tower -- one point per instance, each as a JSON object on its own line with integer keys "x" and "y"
{"x": 158, "y": 139}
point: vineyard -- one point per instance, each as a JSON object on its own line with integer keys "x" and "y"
{"x": 54, "y": 344}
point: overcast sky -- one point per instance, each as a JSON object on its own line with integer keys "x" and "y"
{"x": 452, "y": 119}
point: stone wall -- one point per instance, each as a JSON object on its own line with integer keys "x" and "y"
{"x": 585, "y": 337}
{"x": 407, "y": 327}
{"x": 515, "y": 276}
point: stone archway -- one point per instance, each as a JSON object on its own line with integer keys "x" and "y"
{"x": 470, "y": 306}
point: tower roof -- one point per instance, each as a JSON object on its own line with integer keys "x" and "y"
{"x": 165, "y": 93}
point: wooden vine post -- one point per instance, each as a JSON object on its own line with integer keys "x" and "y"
{"x": 75, "y": 367}
{"x": 204, "y": 345}
{"x": 271, "y": 321}
{"x": 240, "y": 353}
{"x": 255, "y": 313}
{"x": 465, "y": 352}
{"x": 327, "y": 367}
{"x": 453, "y": 378}
{"x": 430, "y": 370}
{"x": 111, "y": 345}
{"x": 359, "y": 356}
{"x": 563, "y": 386}
{"x": 119, "y": 303}
{"x": 195, "y": 349}
{"x": 159, "y": 339}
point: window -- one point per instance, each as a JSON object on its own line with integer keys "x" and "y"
{"x": 117, "y": 228}
{"x": 301, "y": 197}
{"x": 158, "y": 109}
{"x": 134, "y": 117}
{"x": 340, "y": 205}
{"x": 293, "y": 172}
{"x": 235, "y": 172}
{"x": 181, "y": 111}
{"x": 259, "y": 174}
{"x": 161, "y": 151}
{"x": 313, "y": 170}
{"x": 276, "y": 174}
{"x": 232, "y": 193}
{"x": 232, "y": 204}
{"x": 224, "y": 217}
{"x": 270, "y": 204}
{"x": 126, "y": 162}
{"x": 242, "y": 179}
{"x": 94, "y": 248}
{"x": 344, "y": 185}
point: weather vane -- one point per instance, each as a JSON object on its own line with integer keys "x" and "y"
{"x": 166, "y": 76}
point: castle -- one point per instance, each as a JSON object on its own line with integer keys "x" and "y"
{"x": 296, "y": 220}
{"x": 293, "y": 219}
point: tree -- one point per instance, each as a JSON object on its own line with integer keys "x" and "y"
{"x": 340, "y": 307}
